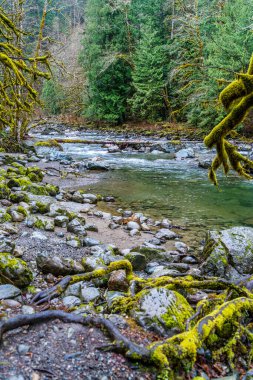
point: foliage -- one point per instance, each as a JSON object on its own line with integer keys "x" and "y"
{"x": 53, "y": 97}
{"x": 105, "y": 60}
{"x": 18, "y": 74}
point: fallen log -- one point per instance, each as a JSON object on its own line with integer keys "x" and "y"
{"x": 128, "y": 143}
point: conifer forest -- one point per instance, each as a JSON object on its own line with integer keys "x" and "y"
{"x": 126, "y": 189}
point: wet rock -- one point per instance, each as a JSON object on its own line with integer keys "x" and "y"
{"x": 155, "y": 241}
{"x": 118, "y": 281}
{"x": 166, "y": 234}
{"x": 100, "y": 166}
{"x": 109, "y": 199}
{"x": 57, "y": 265}
{"x": 89, "y": 294}
{"x": 185, "y": 153}
{"x": 137, "y": 260}
{"x": 205, "y": 162}
{"x": 161, "y": 310}
{"x": 9, "y": 291}
{"x": 16, "y": 270}
{"x": 228, "y": 253}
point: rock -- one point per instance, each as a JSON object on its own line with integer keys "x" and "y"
{"x": 41, "y": 222}
{"x": 9, "y": 291}
{"x": 91, "y": 227}
{"x": 100, "y": 166}
{"x": 134, "y": 232}
{"x": 185, "y": 153}
{"x": 127, "y": 214}
{"x": 12, "y": 304}
{"x": 166, "y": 224}
{"x": 113, "y": 226}
{"x": 161, "y": 310}
{"x": 58, "y": 265}
{"x": 71, "y": 301}
{"x": 73, "y": 241}
{"x": 109, "y": 199}
{"x": 76, "y": 227}
{"x": 161, "y": 272}
{"x": 90, "y": 198}
{"x": 38, "y": 235}
{"x": 118, "y": 281}
{"x": 111, "y": 296}
{"x": 189, "y": 260}
{"x": 137, "y": 260}
{"x": 89, "y": 294}
{"x": 61, "y": 221}
{"x": 133, "y": 226}
{"x": 17, "y": 216}
{"x": 73, "y": 290}
{"x": 77, "y": 197}
{"x": 6, "y": 245}
{"x": 91, "y": 263}
{"x": 27, "y": 309}
{"x": 16, "y": 270}
{"x": 228, "y": 253}
{"x": 89, "y": 242}
{"x": 205, "y": 162}
{"x": 166, "y": 234}
{"x": 150, "y": 252}
{"x": 18, "y": 252}
{"x": 181, "y": 247}
{"x": 23, "y": 349}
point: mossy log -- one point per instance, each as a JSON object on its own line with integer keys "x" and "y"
{"x": 237, "y": 99}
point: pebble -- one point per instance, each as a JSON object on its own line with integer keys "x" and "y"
{"x": 27, "y": 309}
{"x": 23, "y": 349}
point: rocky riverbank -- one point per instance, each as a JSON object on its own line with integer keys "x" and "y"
{"x": 136, "y": 272}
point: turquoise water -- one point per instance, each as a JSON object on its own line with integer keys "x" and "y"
{"x": 177, "y": 190}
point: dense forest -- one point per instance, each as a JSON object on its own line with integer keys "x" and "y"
{"x": 160, "y": 60}
{"x": 119, "y": 259}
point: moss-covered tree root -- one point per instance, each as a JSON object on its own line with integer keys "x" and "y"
{"x": 237, "y": 98}
{"x": 218, "y": 331}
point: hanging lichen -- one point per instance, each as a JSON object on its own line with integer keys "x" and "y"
{"x": 237, "y": 98}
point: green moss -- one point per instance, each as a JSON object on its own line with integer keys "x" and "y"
{"x": 52, "y": 190}
{"x": 33, "y": 177}
{"x": 49, "y": 144}
{"x": 4, "y": 191}
{"x": 4, "y": 218}
{"x": 16, "y": 270}
{"x": 36, "y": 170}
{"x": 19, "y": 182}
{"x": 43, "y": 207}
{"x": 19, "y": 197}
{"x": 36, "y": 189}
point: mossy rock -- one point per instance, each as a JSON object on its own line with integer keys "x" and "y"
{"x": 160, "y": 310}
{"x": 5, "y": 217}
{"x": 149, "y": 252}
{"x": 36, "y": 170}
{"x": 16, "y": 270}
{"x": 52, "y": 190}
{"x": 4, "y": 191}
{"x": 36, "y": 189}
{"x": 33, "y": 177}
{"x": 19, "y": 182}
{"x": 18, "y": 197}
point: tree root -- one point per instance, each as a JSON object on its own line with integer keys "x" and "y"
{"x": 179, "y": 351}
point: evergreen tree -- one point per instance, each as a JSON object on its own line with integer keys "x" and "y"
{"x": 105, "y": 60}
{"x": 53, "y": 97}
{"x": 149, "y": 80}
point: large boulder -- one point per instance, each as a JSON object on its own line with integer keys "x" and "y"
{"x": 161, "y": 310}
{"x": 58, "y": 265}
{"x": 228, "y": 253}
{"x": 15, "y": 270}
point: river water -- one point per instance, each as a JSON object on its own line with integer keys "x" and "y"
{"x": 160, "y": 186}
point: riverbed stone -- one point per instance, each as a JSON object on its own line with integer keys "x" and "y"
{"x": 9, "y": 291}
{"x": 138, "y": 260}
{"x": 16, "y": 270}
{"x": 76, "y": 226}
{"x": 91, "y": 263}
{"x": 228, "y": 253}
{"x": 166, "y": 234}
{"x": 71, "y": 301}
{"x": 90, "y": 242}
{"x": 118, "y": 281}
{"x": 61, "y": 221}
{"x": 161, "y": 310}
{"x": 89, "y": 293}
{"x": 133, "y": 226}
{"x": 57, "y": 265}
